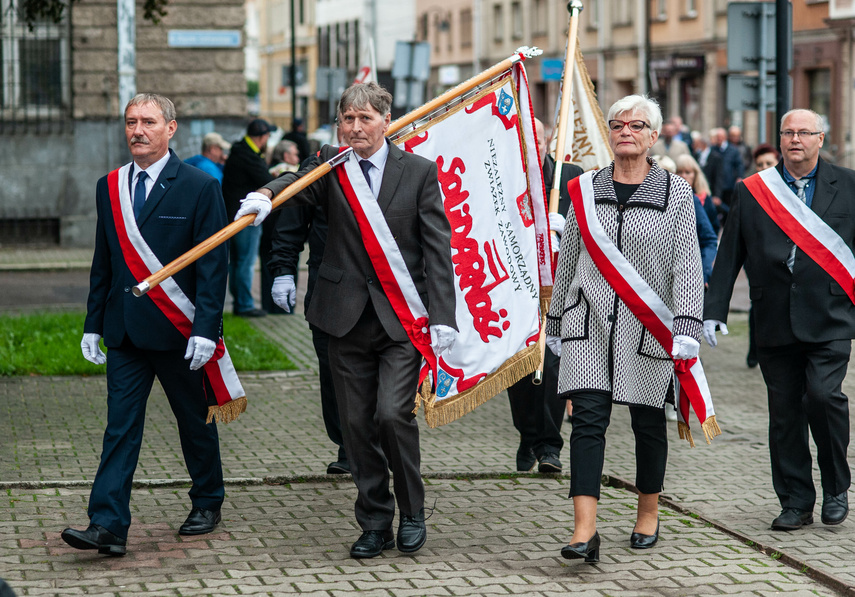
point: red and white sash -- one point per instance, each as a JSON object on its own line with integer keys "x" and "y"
{"x": 389, "y": 264}
{"x": 806, "y": 229}
{"x": 171, "y": 300}
{"x": 646, "y": 305}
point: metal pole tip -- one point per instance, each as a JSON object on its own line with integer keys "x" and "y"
{"x": 141, "y": 288}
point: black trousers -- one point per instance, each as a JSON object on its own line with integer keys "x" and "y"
{"x": 130, "y": 375}
{"x": 803, "y": 383}
{"x": 537, "y": 411}
{"x": 376, "y": 379}
{"x": 592, "y": 410}
{"x": 329, "y": 407}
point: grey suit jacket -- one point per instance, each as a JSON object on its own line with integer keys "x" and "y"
{"x": 806, "y": 305}
{"x": 411, "y": 203}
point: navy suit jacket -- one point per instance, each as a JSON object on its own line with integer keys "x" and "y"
{"x": 184, "y": 208}
{"x": 806, "y": 305}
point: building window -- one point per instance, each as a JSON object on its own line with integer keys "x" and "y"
{"x": 541, "y": 20}
{"x": 516, "y": 20}
{"x": 691, "y": 8}
{"x": 34, "y": 68}
{"x": 593, "y": 10}
{"x": 819, "y": 89}
{"x": 661, "y": 11}
{"x": 498, "y": 23}
{"x": 466, "y": 28}
{"x": 622, "y": 12}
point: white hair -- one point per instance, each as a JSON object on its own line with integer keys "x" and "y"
{"x": 638, "y": 103}
{"x": 820, "y": 121}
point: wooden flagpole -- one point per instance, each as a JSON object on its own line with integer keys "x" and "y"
{"x": 408, "y": 119}
{"x": 565, "y": 114}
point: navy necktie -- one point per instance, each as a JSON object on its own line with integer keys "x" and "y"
{"x": 366, "y": 166}
{"x": 139, "y": 195}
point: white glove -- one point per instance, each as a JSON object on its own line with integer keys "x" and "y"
{"x": 442, "y": 338}
{"x": 284, "y": 292}
{"x": 200, "y": 350}
{"x": 255, "y": 203}
{"x": 556, "y": 223}
{"x": 685, "y": 347}
{"x": 554, "y": 344}
{"x": 91, "y": 349}
{"x": 709, "y": 331}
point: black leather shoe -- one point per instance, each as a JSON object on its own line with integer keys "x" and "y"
{"x": 549, "y": 463}
{"x": 792, "y": 519}
{"x": 372, "y": 543}
{"x": 590, "y": 550}
{"x": 412, "y": 532}
{"x": 835, "y": 508}
{"x": 252, "y": 313}
{"x": 341, "y": 467}
{"x": 525, "y": 459}
{"x": 642, "y": 541}
{"x": 95, "y": 537}
{"x": 200, "y": 522}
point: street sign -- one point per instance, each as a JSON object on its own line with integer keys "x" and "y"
{"x": 199, "y": 38}
{"x": 551, "y": 69}
{"x": 743, "y": 93}
{"x": 751, "y": 35}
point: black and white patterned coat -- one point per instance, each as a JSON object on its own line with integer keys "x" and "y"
{"x": 604, "y": 347}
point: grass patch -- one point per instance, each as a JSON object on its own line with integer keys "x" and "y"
{"x": 49, "y": 344}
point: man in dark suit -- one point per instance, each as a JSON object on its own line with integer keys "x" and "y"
{"x": 536, "y": 410}
{"x": 375, "y": 365}
{"x": 804, "y": 322}
{"x": 170, "y": 207}
{"x": 731, "y": 163}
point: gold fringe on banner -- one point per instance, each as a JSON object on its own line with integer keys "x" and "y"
{"x": 685, "y": 433}
{"x": 228, "y": 412}
{"x": 514, "y": 369}
{"x": 545, "y": 299}
{"x": 711, "y": 428}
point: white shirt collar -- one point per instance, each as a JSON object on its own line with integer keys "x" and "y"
{"x": 153, "y": 171}
{"x": 378, "y": 158}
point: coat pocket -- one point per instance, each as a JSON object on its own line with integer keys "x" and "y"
{"x": 328, "y": 272}
{"x": 650, "y": 347}
{"x": 576, "y": 318}
{"x": 755, "y": 293}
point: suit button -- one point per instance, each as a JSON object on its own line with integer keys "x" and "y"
{"x": 370, "y": 281}
{"x": 127, "y": 288}
{"x": 793, "y": 286}
{"x": 611, "y": 317}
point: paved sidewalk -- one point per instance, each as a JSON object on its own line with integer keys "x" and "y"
{"x": 287, "y": 526}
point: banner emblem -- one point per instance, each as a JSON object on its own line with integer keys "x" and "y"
{"x": 505, "y": 103}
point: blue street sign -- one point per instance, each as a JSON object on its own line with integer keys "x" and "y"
{"x": 551, "y": 69}
{"x": 198, "y": 38}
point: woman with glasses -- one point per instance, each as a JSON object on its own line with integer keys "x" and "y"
{"x": 607, "y": 355}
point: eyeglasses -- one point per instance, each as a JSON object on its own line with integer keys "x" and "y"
{"x": 791, "y": 134}
{"x": 636, "y": 126}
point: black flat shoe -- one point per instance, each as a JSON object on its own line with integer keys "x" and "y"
{"x": 792, "y": 519}
{"x": 835, "y": 508}
{"x": 95, "y": 537}
{"x": 372, "y": 543}
{"x": 200, "y": 522}
{"x": 590, "y": 550}
{"x": 641, "y": 541}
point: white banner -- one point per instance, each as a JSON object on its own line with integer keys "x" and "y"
{"x": 494, "y": 213}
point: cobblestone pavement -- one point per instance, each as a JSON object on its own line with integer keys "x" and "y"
{"x": 287, "y": 526}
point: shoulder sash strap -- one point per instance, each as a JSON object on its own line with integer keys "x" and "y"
{"x": 645, "y": 305}
{"x": 171, "y": 300}
{"x": 386, "y": 258}
{"x": 801, "y": 224}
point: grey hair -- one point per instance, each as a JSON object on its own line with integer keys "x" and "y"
{"x": 638, "y": 103}
{"x": 167, "y": 108}
{"x": 820, "y": 121}
{"x": 280, "y": 150}
{"x": 362, "y": 95}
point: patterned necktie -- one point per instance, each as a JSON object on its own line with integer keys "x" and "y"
{"x": 139, "y": 195}
{"x": 366, "y": 166}
{"x": 800, "y": 193}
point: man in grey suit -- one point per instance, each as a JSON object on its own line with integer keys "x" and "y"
{"x": 805, "y": 320}
{"x": 374, "y": 364}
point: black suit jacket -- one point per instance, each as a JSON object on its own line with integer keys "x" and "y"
{"x": 806, "y": 305}
{"x": 411, "y": 203}
{"x": 184, "y": 208}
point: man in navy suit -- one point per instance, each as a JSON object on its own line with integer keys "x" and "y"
{"x": 154, "y": 209}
